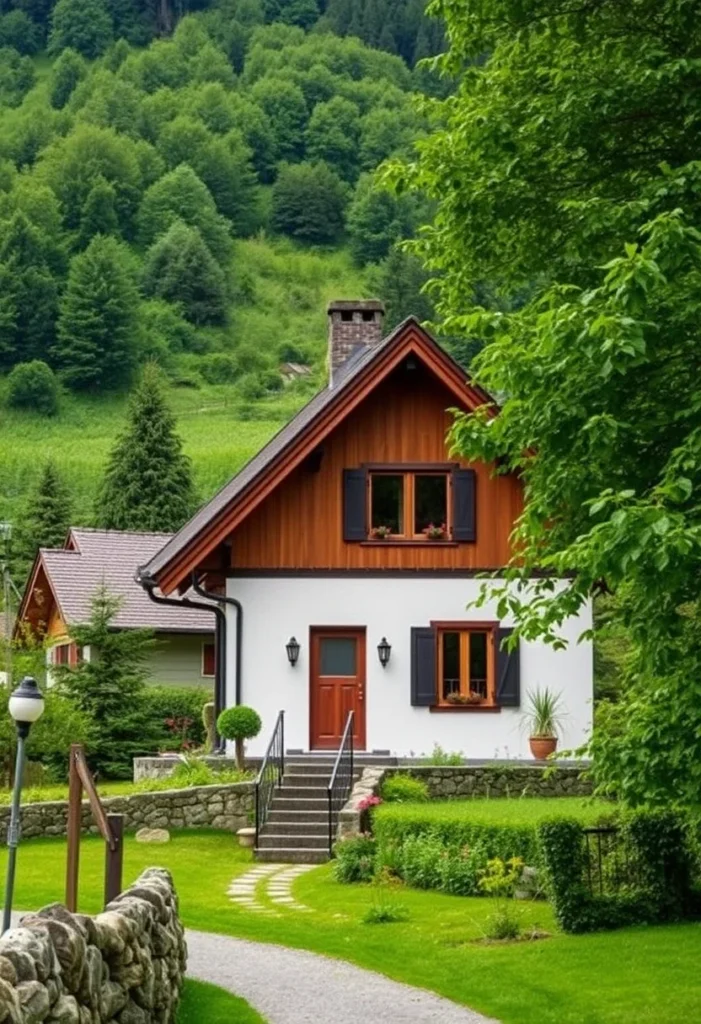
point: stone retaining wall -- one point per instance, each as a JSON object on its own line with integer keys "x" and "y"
{"x": 498, "y": 780}
{"x": 227, "y": 808}
{"x": 125, "y": 965}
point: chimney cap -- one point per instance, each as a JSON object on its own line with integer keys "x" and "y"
{"x": 362, "y": 305}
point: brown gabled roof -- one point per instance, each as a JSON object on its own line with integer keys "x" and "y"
{"x": 92, "y": 558}
{"x": 362, "y": 372}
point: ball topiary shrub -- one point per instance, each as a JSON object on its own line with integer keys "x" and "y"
{"x": 239, "y": 724}
{"x": 33, "y": 386}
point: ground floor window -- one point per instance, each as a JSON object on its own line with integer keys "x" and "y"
{"x": 466, "y": 666}
{"x": 68, "y": 654}
{"x": 207, "y": 660}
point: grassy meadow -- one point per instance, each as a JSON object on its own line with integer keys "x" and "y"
{"x": 282, "y": 290}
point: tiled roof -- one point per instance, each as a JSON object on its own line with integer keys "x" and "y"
{"x": 111, "y": 557}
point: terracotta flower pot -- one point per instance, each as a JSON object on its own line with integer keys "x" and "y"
{"x": 543, "y": 746}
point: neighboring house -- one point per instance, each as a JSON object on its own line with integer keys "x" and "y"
{"x": 64, "y": 580}
{"x": 291, "y": 372}
{"x": 322, "y": 537}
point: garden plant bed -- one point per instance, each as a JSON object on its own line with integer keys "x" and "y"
{"x": 631, "y": 976}
{"x": 447, "y": 845}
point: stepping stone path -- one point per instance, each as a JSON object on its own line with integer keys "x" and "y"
{"x": 275, "y": 880}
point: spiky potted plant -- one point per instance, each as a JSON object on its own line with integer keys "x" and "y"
{"x": 543, "y": 717}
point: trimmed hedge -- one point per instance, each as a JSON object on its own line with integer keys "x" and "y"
{"x": 174, "y": 704}
{"x": 446, "y": 845}
{"x": 646, "y": 875}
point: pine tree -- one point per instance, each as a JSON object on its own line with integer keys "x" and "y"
{"x": 99, "y": 213}
{"x": 180, "y": 268}
{"x": 46, "y": 519}
{"x": 97, "y": 324}
{"x": 110, "y": 689}
{"x": 29, "y": 292}
{"x": 148, "y": 481}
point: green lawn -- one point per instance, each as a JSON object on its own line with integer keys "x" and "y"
{"x": 206, "y": 1004}
{"x": 634, "y": 976}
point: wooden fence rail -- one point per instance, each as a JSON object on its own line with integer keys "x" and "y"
{"x": 111, "y": 828}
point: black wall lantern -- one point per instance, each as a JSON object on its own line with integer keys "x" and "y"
{"x": 292, "y": 648}
{"x": 384, "y": 650}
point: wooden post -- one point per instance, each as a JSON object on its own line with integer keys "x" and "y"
{"x": 114, "y": 856}
{"x": 75, "y": 793}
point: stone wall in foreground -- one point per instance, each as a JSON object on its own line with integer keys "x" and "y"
{"x": 227, "y": 808}
{"x": 125, "y": 965}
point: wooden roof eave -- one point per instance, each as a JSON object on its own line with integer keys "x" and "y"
{"x": 414, "y": 340}
{"x": 23, "y": 613}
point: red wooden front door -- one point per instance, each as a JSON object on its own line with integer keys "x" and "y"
{"x": 337, "y": 686}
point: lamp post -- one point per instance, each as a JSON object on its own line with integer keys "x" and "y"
{"x": 26, "y": 705}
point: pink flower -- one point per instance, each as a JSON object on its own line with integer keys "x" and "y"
{"x": 367, "y": 802}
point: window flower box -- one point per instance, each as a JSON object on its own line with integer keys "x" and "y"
{"x": 433, "y": 532}
{"x": 381, "y": 532}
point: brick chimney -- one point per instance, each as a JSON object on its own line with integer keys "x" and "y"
{"x": 353, "y": 324}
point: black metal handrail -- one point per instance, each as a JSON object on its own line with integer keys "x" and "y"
{"x": 341, "y": 781}
{"x": 271, "y": 772}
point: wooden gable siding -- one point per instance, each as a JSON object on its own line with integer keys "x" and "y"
{"x": 299, "y": 526}
{"x": 56, "y": 628}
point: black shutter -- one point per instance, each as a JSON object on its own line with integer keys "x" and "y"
{"x": 423, "y": 667}
{"x": 464, "y": 527}
{"x": 354, "y": 505}
{"x": 508, "y": 672}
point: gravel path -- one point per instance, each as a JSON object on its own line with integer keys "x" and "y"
{"x": 291, "y": 986}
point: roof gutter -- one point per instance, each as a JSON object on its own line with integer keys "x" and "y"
{"x": 225, "y": 599}
{"x": 149, "y": 584}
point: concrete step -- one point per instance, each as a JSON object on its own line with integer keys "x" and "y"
{"x": 362, "y": 759}
{"x": 291, "y": 825}
{"x": 282, "y": 813}
{"x": 292, "y": 779}
{"x": 278, "y": 839}
{"x": 306, "y": 803}
{"x": 291, "y": 855}
{"x": 307, "y": 792}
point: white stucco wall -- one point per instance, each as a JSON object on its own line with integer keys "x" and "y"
{"x": 276, "y": 608}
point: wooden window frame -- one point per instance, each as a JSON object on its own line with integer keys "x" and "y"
{"x": 465, "y": 629}
{"x": 409, "y": 474}
{"x": 65, "y": 646}
{"x": 209, "y": 675}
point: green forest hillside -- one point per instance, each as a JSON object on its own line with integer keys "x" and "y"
{"x": 191, "y": 186}
{"x": 221, "y": 427}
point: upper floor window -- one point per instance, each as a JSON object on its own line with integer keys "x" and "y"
{"x": 409, "y": 506}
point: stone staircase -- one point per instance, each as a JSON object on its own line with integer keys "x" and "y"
{"x": 297, "y": 829}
